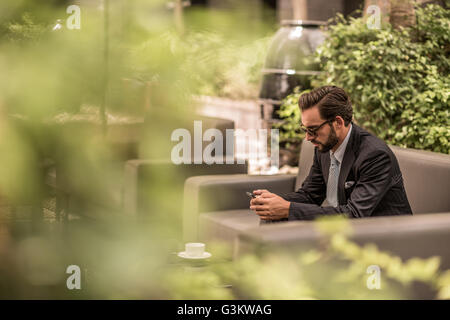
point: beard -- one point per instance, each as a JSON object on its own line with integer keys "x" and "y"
{"x": 332, "y": 140}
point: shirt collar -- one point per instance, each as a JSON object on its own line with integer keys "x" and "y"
{"x": 339, "y": 153}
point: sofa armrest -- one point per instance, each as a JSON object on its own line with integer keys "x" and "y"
{"x": 225, "y": 192}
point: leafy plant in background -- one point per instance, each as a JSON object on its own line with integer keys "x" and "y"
{"x": 289, "y": 113}
{"x": 289, "y": 127}
{"x": 398, "y": 80}
{"x": 218, "y": 66}
{"x": 48, "y": 74}
{"x": 25, "y": 30}
{"x": 52, "y": 73}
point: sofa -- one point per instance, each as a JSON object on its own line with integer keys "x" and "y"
{"x": 136, "y": 172}
{"x": 153, "y": 188}
{"x": 218, "y": 210}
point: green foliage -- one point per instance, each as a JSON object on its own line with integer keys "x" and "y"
{"x": 398, "y": 80}
{"x": 219, "y": 66}
{"x": 289, "y": 113}
{"x": 25, "y": 30}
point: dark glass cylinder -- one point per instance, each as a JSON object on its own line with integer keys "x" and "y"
{"x": 289, "y": 63}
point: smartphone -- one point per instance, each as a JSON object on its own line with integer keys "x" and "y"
{"x": 251, "y": 195}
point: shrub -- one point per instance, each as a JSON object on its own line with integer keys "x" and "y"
{"x": 25, "y": 30}
{"x": 398, "y": 80}
{"x": 289, "y": 113}
{"x": 219, "y": 66}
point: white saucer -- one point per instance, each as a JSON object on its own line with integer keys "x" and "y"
{"x": 204, "y": 256}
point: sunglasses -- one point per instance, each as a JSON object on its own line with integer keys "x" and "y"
{"x": 312, "y": 131}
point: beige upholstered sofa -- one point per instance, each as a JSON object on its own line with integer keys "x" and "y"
{"x": 216, "y": 207}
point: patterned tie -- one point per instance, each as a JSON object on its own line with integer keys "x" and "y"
{"x": 332, "y": 185}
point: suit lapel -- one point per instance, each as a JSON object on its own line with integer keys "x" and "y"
{"x": 347, "y": 163}
{"x": 325, "y": 165}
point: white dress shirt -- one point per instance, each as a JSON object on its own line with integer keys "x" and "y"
{"x": 335, "y": 166}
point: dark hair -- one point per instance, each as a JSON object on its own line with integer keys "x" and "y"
{"x": 332, "y": 101}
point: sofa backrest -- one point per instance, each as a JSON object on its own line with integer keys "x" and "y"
{"x": 426, "y": 176}
{"x": 305, "y": 162}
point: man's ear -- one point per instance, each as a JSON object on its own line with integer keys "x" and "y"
{"x": 340, "y": 123}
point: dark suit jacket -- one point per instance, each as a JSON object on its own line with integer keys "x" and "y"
{"x": 370, "y": 182}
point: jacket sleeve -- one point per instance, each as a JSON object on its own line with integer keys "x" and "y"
{"x": 313, "y": 190}
{"x": 375, "y": 178}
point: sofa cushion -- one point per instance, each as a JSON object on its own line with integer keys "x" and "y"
{"x": 305, "y": 162}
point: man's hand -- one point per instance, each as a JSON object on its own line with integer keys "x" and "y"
{"x": 269, "y": 206}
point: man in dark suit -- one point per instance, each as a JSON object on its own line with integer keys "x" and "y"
{"x": 355, "y": 172}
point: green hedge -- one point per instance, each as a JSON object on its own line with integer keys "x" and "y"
{"x": 398, "y": 80}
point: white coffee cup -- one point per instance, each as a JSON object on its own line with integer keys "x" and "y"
{"x": 194, "y": 249}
